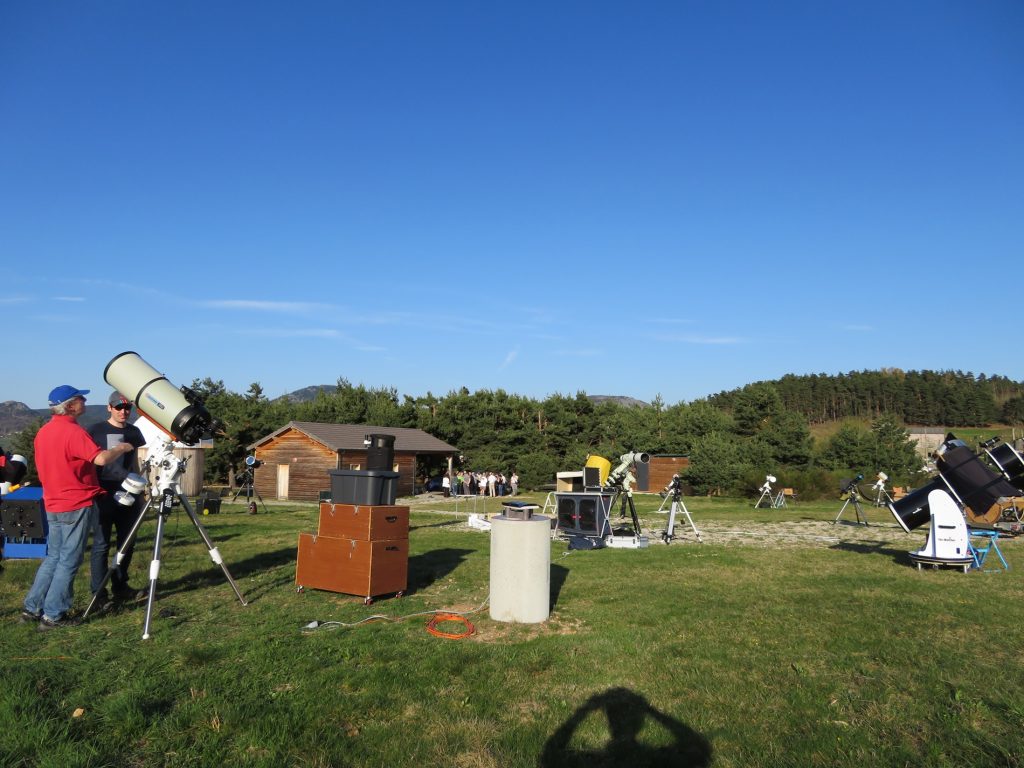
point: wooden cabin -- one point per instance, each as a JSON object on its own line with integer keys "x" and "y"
{"x": 297, "y": 459}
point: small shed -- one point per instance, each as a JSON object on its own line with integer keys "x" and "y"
{"x": 661, "y": 468}
{"x": 926, "y": 439}
{"x": 297, "y": 458}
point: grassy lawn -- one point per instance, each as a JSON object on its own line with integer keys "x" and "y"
{"x": 782, "y": 640}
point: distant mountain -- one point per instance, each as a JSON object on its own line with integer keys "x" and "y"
{"x": 15, "y": 416}
{"x": 306, "y": 394}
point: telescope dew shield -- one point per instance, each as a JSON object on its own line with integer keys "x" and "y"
{"x": 157, "y": 398}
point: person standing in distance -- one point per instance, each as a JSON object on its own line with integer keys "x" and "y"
{"x": 66, "y": 460}
{"x": 108, "y": 434}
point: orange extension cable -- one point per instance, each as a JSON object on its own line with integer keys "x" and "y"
{"x": 440, "y": 618}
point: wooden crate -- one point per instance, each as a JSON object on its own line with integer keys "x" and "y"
{"x": 352, "y": 566}
{"x": 364, "y": 522}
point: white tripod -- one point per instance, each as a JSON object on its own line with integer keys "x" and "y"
{"x": 766, "y": 493}
{"x": 675, "y": 492}
{"x": 164, "y": 469}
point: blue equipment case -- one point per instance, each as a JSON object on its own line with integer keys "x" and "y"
{"x": 24, "y": 524}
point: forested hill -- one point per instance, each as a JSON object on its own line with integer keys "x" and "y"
{"x": 946, "y": 398}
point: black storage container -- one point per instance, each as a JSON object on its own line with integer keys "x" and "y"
{"x": 209, "y": 504}
{"x": 352, "y": 486}
{"x": 380, "y": 453}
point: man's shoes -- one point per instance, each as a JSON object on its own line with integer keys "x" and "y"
{"x": 27, "y": 617}
{"x": 102, "y": 601}
{"x": 46, "y": 624}
{"x": 128, "y": 592}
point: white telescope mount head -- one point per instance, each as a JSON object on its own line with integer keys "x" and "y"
{"x": 164, "y": 468}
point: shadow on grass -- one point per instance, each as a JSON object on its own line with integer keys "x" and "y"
{"x": 212, "y": 575}
{"x": 559, "y": 573}
{"x": 627, "y": 714}
{"x": 427, "y": 568}
{"x": 444, "y": 524}
{"x": 900, "y": 556}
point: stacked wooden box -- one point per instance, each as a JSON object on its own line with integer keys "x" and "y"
{"x": 358, "y": 550}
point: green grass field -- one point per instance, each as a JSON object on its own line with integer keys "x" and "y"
{"x": 782, "y": 640}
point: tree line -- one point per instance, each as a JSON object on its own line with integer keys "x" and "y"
{"x": 947, "y": 398}
{"x": 732, "y": 439}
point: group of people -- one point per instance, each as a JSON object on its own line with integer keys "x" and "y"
{"x": 480, "y": 484}
{"x": 80, "y": 471}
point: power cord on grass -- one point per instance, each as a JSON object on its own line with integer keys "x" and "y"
{"x": 438, "y": 617}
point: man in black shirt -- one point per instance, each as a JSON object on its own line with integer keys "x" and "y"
{"x": 107, "y": 434}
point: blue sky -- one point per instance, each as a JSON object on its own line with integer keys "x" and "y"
{"x": 671, "y": 198}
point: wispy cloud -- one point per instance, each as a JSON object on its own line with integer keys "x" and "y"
{"x": 69, "y": 298}
{"x": 293, "y": 333}
{"x": 858, "y": 328}
{"x": 282, "y": 307}
{"x": 15, "y": 300}
{"x": 696, "y": 338}
{"x": 572, "y": 352}
{"x": 509, "y": 359}
{"x": 670, "y": 321}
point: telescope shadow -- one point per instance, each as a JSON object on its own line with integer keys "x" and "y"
{"x": 213, "y": 575}
{"x": 430, "y": 566}
{"x": 445, "y": 524}
{"x": 628, "y": 715}
{"x": 876, "y": 548}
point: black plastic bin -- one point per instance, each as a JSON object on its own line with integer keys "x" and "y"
{"x": 371, "y": 487}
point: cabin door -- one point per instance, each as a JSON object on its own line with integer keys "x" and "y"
{"x": 282, "y": 481}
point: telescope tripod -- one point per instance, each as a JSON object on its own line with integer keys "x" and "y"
{"x": 882, "y": 497}
{"x": 625, "y": 499}
{"x": 766, "y": 493}
{"x": 854, "y": 498}
{"x": 677, "y": 506}
{"x": 249, "y": 486}
{"x": 163, "y": 511}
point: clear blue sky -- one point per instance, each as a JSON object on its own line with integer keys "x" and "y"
{"x": 647, "y": 198}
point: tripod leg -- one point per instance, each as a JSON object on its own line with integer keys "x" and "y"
{"x": 841, "y": 512}
{"x": 695, "y": 531}
{"x": 860, "y": 513}
{"x": 154, "y": 566}
{"x": 632, "y": 512}
{"x": 671, "y": 527}
{"x": 129, "y": 540}
{"x": 214, "y": 554}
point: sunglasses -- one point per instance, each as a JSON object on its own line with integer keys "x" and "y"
{"x": 122, "y": 407}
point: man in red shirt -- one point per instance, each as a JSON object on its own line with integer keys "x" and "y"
{"x": 66, "y": 460}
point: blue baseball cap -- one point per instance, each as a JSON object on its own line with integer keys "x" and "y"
{"x": 65, "y": 392}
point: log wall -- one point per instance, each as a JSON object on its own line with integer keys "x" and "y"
{"x": 661, "y": 469}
